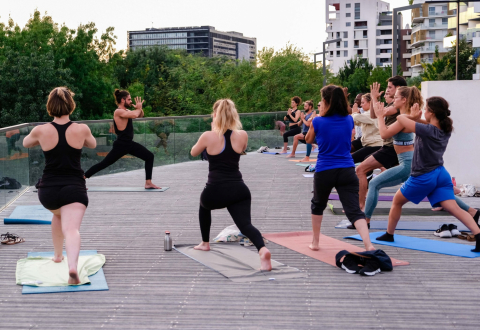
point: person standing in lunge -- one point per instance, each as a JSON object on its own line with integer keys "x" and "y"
{"x": 225, "y": 186}
{"x": 62, "y": 187}
{"x": 124, "y": 144}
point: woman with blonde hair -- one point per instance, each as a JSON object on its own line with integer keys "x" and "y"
{"x": 62, "y": 188}
{"x": 225, "y": 186}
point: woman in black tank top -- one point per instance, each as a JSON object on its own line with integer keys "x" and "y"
{"x": 61, "y": 188}
{"x": 293, "y": 119}
{"x": 225, "y": 186}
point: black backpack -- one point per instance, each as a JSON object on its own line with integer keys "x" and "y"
{"x": 9, "y": 183}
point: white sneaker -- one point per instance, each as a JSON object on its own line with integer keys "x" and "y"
{"x": 453, "y": 229}
{"x": 443, "y": 232}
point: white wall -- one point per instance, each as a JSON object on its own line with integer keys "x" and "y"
{"x": 462, "y": 158}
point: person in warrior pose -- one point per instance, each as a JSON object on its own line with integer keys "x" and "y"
{"x": 335, "y": 167}
{"x": 225, "y": 187}
{"x": 293, "y": 119}
{"x": 62, "y": 187}
{"x": 124, "y": 144}
{"x": 305, "y": 119}
{"x": 428, "y": 178}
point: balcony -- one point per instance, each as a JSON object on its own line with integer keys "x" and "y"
{"x": 364, "y": 27}
{"x": 406, "y": 55}
{"x": 429, "y": 26}
{"x": 406, "y": 37}
{"x": 407, "y": 73}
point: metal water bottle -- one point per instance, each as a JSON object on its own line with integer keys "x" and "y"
{"x": 168, "y": 241}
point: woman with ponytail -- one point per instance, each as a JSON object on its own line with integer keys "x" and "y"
{"x": 428, "y": 176}
{"x": 335, "y": 168}
{"x": 225, "y": 186}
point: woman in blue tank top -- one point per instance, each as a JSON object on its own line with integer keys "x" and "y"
{"x": 335, "y": 168}
{"x": 428, "y": 176}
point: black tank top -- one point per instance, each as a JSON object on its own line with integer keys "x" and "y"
{"x": 224, "y": 166}
{"x": 127, "y": 134}
{"x": 62, "y": 163}
{"x": 290, "y": 119}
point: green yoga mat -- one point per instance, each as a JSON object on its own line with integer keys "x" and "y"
{"x": 124, "y": 189}
{"x": 405, "y": 211}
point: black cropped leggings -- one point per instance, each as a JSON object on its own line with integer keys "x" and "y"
{"x": 235, "y": 196}
{"x": 121, "y": 149}
{"x": 291, "y": 132}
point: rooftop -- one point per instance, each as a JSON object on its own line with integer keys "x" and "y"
{"x": 154, "y": 289}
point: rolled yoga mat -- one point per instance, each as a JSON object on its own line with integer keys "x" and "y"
{"x": 335, "y": 197}
{"x": 124, "y": 189}
{"x": 424, "y": 212}
{"x": 29, "y": 215}
{"x": 406, "y": 225}
{"x": 422, "y": 244}
{"x": 97, "y": 281}
{"x": 329, "y": 247}
{"x": 238, "y": 263}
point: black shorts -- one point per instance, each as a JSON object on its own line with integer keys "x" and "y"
{"x": 345, "y": 181}
{"x": 387, "y": 156}
{"x": 304, "y": 136}
{"x": 53, "y": 198}
{"x": 357, "y": 144}
{"x": 360, "y": 155}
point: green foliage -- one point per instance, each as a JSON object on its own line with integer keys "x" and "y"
{"x": 354, "y": 75}
{"x": 380, "y": 75}
{"x": 415, "y": 81}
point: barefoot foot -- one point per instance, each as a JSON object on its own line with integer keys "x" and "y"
{"x": 305, "y": 159}
{"x": 265, "y": 262}
{"x": 370, "y": 248}
{"x": 73, "y": 277}
{"x": 150, "y": 185}
{"x": 314, "y": 246}
{"x": 204, "y": 246}
{"x": 291, "y": 156}
{"x": 57, "y": 259}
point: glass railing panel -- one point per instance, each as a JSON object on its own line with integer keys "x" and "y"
{"x": 187, "y": 132}
{"x": 267, "y": 126}
{"x": 160, "y": 140}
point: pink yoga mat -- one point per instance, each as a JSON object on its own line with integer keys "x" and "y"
{"x": 329, "y": 247}
{"x": 335, "y": 197}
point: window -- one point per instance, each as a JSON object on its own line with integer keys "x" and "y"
{"x": 348, "y": 24}
{"x": 345, "y": 53}
{"x": 383, "y": 60}
{"x": 331, "y": 53}
{"x": 338, "y": 34}
{"x": 431, "y": 11}
{"x": 444, "y": 8}
{"x": 365, "y": 33}
{"x": 385, "y": 32}
{"x": 345, "y": 34}
{"x": 345, "y": 44}
{"x": 356, "y": 44}
{"x": 385, "y": 51}
{"x": 357, "y": 11}
{"x": 348, "y": 5}
{"x": 444, "y": 21}
{"x": 338, "y": 53}
{"x": 338, "y": 44}
{"x": 431, "y": 22}
{"x": 348, "y": 15}
{"x": 431, "y": 34}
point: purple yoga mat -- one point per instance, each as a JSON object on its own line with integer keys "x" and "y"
{"x": 334, "y": 197}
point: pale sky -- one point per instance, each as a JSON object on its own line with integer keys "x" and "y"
{"x": 273, "y": 22}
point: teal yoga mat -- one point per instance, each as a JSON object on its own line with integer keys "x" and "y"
{"x": 124, "y": 189}
{"x": 97, "y": 280}
{"x": 406, "y": 225}
{"x": 422, "y": 244}
{"x": 29, "y": 215}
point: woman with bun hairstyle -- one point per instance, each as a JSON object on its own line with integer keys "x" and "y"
{"x": 428, "y": 178}
{"x": 124, "y": 144}
{"x": 225, "y": 187}
{"x": 293, "y": 119}
{"x": 335, "y": 167}
{"x": 62, "y": 188}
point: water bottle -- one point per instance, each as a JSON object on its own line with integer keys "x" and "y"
{"x": 454, "y": 182}
{"x": 168, "y": 241}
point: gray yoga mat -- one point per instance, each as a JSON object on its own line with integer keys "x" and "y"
{"x": 124, "y": 189}
{"x": 238, "y": 263}
{"x": 405, "y": 211}
{"x": 406, "y": 225}
{"x": 29, "y": 215}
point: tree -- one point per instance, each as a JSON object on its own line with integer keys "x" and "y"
{"x": 354, "y": 75}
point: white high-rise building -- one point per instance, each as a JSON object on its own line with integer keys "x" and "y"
{"x": 356, "y": 22}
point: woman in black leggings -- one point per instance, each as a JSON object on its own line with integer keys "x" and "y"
{"x": 124, "y": 144}
{"x": 225, "y": 186}
{"x": 293, "y": 119}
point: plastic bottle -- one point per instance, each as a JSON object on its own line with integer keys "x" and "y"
{"x": 168, "y": 242}
{"x": 454, "y": 182}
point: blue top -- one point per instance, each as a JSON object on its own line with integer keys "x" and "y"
{"x": 333, "y": 136}
{"x": 400, "y": 136}
{"x": 307, "y": 117}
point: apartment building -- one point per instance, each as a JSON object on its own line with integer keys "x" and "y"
{"x": 469, "y": 23}
{"x": 405, "y": 51}
{"x": 204, "y": 40}
{"x": 430, "y": 24}
{"x": 356, "y": 24}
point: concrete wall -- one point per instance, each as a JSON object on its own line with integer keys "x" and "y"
{"x": 462, "y": 158}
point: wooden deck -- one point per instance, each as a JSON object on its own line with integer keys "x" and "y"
{"x": 154, "y": 289}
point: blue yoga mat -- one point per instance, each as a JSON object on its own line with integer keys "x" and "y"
{"x": 406, "y": 225}
{"x": 98, "y": 281}
{"x": 29, "y": 215}
{"x": 422, "y": 244}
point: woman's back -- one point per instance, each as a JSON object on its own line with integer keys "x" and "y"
{"x": 333, "y": 136}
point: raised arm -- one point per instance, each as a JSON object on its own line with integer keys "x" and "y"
{"x": 31, "y": 140}
{"x": 387, "y": 131}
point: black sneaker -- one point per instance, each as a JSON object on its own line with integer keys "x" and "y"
{"x": 372, "y": 267}
{"x": 443, "y": 232}
{"x": 350, "y": 264}
{"x": 453, "y": 229}
{"x": 476, "y": 216}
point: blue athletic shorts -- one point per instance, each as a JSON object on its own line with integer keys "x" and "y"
{"x": 436, "y": 185}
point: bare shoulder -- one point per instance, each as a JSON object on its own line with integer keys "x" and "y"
{"x": 119, "y": 112}
{"x": 81, "y": 128}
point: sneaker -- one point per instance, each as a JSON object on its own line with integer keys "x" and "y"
{"x": 350, "y": 265}
{"x": 453, "y": 229}
{"x": 476, "y": 216}
{"x": 443, "y": 232}
{"x": 372, "y": 267}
